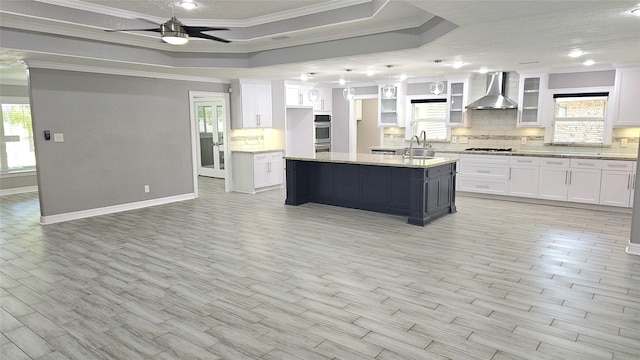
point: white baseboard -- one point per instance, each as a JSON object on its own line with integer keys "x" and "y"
{"x": 18, "y": 190}
{"x": 633, "y": 248}
{"x": 52, "y": 219}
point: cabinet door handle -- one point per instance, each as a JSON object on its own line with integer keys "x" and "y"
{"x": 509, "y": 173}
{"x": 629, "y": 182}
{"x": 570, "y": 175}
{"x": 566, "y": 177}
{"x": 322, "y": 104}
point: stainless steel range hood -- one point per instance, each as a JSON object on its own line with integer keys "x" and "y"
{"x": 495, "y": 98}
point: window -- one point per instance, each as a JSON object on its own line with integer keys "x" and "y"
{"x": 579, "y": 118}
{"x": 16, "y": 139}
{"x": 430, "y": 115}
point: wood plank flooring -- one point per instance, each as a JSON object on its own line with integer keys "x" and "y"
{"x": 235, "y": 276}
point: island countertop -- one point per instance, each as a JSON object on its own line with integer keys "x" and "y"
{"x": 373, "y": 159}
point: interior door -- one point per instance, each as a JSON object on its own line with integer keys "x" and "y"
{"x": 211, "y": 120}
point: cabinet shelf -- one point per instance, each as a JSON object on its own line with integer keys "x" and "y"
{"x": 531, "y": 91}
{"x": 529, "y": 108}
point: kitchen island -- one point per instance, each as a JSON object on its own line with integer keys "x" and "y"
{"x": 422, "y": 189}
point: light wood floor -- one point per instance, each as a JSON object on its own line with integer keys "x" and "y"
{"x": 233, "y": 276}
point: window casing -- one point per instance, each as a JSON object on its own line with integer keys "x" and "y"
{"x": 430, "y": 115}
{"x": 17, "y": 152}
{"x": 578, "y": 116}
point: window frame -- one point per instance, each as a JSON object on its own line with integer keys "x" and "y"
{"x": 21, "y": 101}
{"x": 548, "y": 110}
{"x": 412, "y": 125}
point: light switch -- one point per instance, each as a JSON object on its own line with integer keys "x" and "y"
{"x": 623, "y": 142}
{"x": 58, "y": 137}
{"x": 464, "y": 140}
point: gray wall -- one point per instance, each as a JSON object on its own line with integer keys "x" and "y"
{"x": 340, "y": 122}
{"x": 120, "y": 134}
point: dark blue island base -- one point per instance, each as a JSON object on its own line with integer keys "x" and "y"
{"x": 422, "y": 194}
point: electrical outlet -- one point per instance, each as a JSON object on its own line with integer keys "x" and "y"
{"x": 523, "y": 141}
{"x": 464, "y": 140}
{"x": 58, "y": 137}
{"x": 146, "y": 188}
{"x": 623, "y": 142}
{"x": 454, "y": 139}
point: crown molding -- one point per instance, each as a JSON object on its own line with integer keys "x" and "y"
{"x": 123, "y": 72}
{"x": 259, "y": 20}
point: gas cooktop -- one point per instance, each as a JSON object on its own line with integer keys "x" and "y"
{"x": 488, "y": 149}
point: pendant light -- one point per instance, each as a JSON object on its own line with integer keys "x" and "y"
{"x": 348, "y": 92}
{"x": 389, "y": 90}
{"x": 437, "y": 87}
{"x": 313, "y": 94}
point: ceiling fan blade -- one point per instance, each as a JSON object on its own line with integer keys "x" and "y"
{"x": 205, "y": 36}
{"x": 116, "y": 30}
{"x": 203, "y": 28}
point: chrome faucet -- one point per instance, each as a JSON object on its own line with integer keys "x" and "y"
{"x": 411, "y": 146}
{"x": 423, "y": 134}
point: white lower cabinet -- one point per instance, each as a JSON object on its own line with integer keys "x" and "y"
{"x": 576, "y": 180}
{"x": 484, "y": 174}
{"x": 618, "y": 183}
{"x": 523, "y": 176}
{"x": 254, "y": 172}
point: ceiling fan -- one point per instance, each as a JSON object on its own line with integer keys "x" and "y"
{"x": 174, "y": 32}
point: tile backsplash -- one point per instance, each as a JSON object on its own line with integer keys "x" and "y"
{"x": 256, "y": 139}
{"x": 497, "y": 128}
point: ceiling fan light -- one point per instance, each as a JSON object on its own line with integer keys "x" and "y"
{"x": 175, "y": 38}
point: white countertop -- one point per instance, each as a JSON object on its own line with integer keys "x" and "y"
{"x": 256, "y": 151}
{"x": 373, "y": 159}
{"x": 547, "y": 153}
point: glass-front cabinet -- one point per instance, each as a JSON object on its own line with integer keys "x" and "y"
{"x": 391, "y": 109}
{"x": 530, "y": 91}
{"x": 458, "y": 91}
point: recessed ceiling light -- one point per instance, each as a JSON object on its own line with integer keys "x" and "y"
{"x": 371, "y": 72}
{"x": 304, "y": 77}
{"x": 635, "y": 12}
{"x": 483, "y": 70}
{"x": 588, "y": 62}
{"x": 188, "y": 4}
{"x": 403, "y": 77}
{"x": 576, "y": 53}
{"x": 342, "y": 81}
{"x": 457, "y": 64}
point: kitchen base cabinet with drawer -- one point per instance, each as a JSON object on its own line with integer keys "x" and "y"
{"x": 618, "y": 183}
{"x": 523, "y": 176}
{"x": 484, "y": 174}
{"x": 255, "y": 172}
{"x": 575, "y": 180}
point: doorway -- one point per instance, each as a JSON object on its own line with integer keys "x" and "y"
{"x": 210, "y": 124}
{"x": 211, "y": 137}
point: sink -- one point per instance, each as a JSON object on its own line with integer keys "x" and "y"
{"x": 418, "y": 157}
{"x": 420, "y": 153}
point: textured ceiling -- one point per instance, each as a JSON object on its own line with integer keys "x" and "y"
{"x": 325, "y": 37}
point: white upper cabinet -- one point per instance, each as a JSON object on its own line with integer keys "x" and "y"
{"x": 458, "y": 97}
{"x": 392, "y": 108}
{"x": 531, "y": 89}
{"x": 297, "y": 95}
{"x": 251, "y": 104}
{"x": 324, "y": 102}
{"x": 627, "y": 97}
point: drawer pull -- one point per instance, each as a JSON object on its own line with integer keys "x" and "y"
{"x": 482, "y": 186}
{"x": 554, "y": 162}
{"x": 484, "y": 171}
{"x": 527, "y": 161}
{"x": 617, "y": 165}
{"x": 585, "y": 164}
